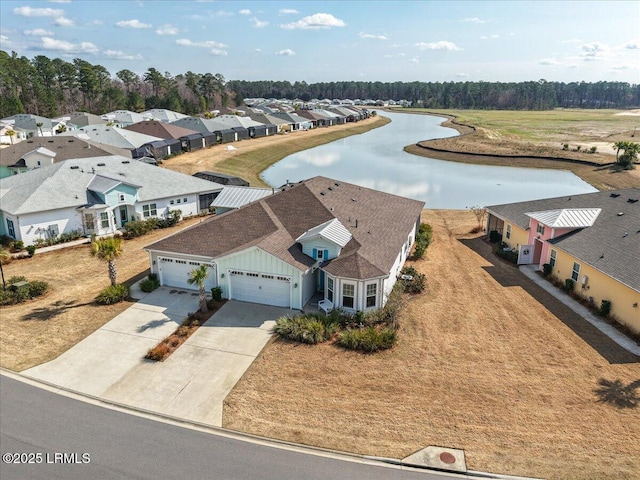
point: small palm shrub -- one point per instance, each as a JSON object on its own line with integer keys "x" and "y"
{"x": 547, "y": 269}
{"x": 605, "y": 308}
{"x": 113, "y": 294}
{"x": 309, "y": 328}
{"x": 417, "y": 283}
{"x": 367, "y": 339}
{"x": 216, "y": 293}
{"x": 150, "y": 283}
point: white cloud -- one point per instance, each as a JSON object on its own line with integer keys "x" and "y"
{"x": 257, "y": 23}
{"x": 185, "y": 42}
{"x": 64, "y": 22}
{"x": 315, "y": 21}
{"x": 473, "y": 20}
{"x": 167, "y": 29}
{"x": 549, "y": 61}
{"x": 396, "y": 55}
{"x": 49, "y": 43}
{"x": 414, "y": 60}
{"x": 373, "y": 35}
{"x": 96, "y": 22}
{"x": 120, "y": 55}
{"x": 39, "y": 32}
{"x": 216, "y": 52}
{"x": 59, "y": 1}
{"x": 288, "y": 11}
{"x": 245, "y": 11}
{"x": 6, "y": 42}
{"x": 223, "y": 13}
{"x": 441, "y": 45}
{"x": 632, "y": 45}
{"x": 38, "y": 12}
{"x": 135, "y": 23}
{"x": 621, "y": 67}
{"x": 258, "y": 50}
{"x": 462, "y": 75}
{"x": 285, "y": 53}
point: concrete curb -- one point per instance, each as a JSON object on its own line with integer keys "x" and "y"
{"x": 246, "y": 437}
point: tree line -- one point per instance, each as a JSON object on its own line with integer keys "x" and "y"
{"x": 52, "y": 87}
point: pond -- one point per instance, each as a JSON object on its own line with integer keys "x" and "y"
{"x": 376, "y": 159}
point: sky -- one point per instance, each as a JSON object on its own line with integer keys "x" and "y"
{"x": 429, "y": 41}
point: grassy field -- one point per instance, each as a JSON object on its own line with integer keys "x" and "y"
{"x": 486, "y": 362}
{"x": 251, "y": 157}
{"x": 500, "y": 134}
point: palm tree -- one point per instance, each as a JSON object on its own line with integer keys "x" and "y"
{"x": 39, "y": 125}
{"x": 11, "y": 133}
{"x": 198, "y": 276}
{"x": 107, "y": 250}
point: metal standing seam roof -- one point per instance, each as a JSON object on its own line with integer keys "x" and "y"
{"x": 567, "y": 217}
{"x": 235, "y": 197}
{"x": 611, "y": 244}
{"x": 333, "y": 230}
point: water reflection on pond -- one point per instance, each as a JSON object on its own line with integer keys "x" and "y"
{"x": 375, "y": 159}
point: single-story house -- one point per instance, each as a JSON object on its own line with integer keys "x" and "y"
{"x": 233, "y": 197}
{"x": 75, "y": 120}
{"x": 39, "y": 152}
{"x": 592, "y": 239}
{"x": 159, "y": 129}
{"x": 163, "y": 115}
{"x": 17, "y": 134}
{"x": 33, "y": 125}
{"x": 94, "y": 196}
{"x": 319, "y": 237}
{"x": 123, "y": 118}
{"x": 113, "y": 136}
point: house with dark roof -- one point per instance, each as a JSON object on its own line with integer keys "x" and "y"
{"x": 592, "y": 239}
{"x": 38, "y": 152}
{"x": 97, "y": 195}
{"x": 347, "y": 243}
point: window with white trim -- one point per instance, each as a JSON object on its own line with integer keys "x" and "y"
{"x": 540, "y": 229}
{"x": 553, "y": 256}
{"x": 348, "y": 295}
{"x": 122, "y": 197}
{"x": 575, "y": 273}
{"x": 330, "y": 289}
{"x": 149, "y": 210}
{"x": 372, "y": 291}
{"x": 53, "y": 231}
{"x": 508, "y": 234}
{"x": 104, "y": 219}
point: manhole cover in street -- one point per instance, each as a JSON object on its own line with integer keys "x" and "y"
{"x": 446, "y": 457}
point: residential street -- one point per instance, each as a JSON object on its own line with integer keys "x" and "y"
{"x": 123, "y": 446}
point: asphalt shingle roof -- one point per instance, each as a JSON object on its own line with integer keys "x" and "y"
{"x": 65, "y": 148}
{"x": 611, "y": 244}
{"x": 378, "y": 223}
{"x": 61, "y": 186}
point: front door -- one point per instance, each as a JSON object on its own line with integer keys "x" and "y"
{"x": 124, "y": 217}
{"x": 89, "y": 223}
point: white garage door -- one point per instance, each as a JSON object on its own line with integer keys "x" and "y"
{"x": 175, "y": 272}
{"x": 260, "y": 288}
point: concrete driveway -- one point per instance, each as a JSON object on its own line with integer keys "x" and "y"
{"x": 192, "y": 383}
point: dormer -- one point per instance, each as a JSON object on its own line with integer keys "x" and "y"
{"x": 113, "y": 192}
{"x": 325, "y": 241}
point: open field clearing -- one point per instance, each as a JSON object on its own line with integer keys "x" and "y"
{"x": 249, "y": 158}
{"x": 539, "y": 134}
{"x": 481, "y": 365}
{"x": 37, "y": 331}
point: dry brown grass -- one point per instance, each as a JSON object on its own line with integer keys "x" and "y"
{"x": 480, "y": 365}
{"x": 38, "y": 331}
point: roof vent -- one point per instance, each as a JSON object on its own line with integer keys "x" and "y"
{"x": 101, "y": 164}
{"x": 126, "y": 161}
{"x": 70, "y": 141}
{"x": 323, "y": 193}
{"x": 632, "y": 200}
{"x": 620, "y": 214}
{"x": 614, "y": 195}
{"x": 74, "y": 167}
{"x": 50, "y": 141}
{"x": 353, "y": 199}
{"x": 330, "y": 189}
{"x": 337, "y": 184}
